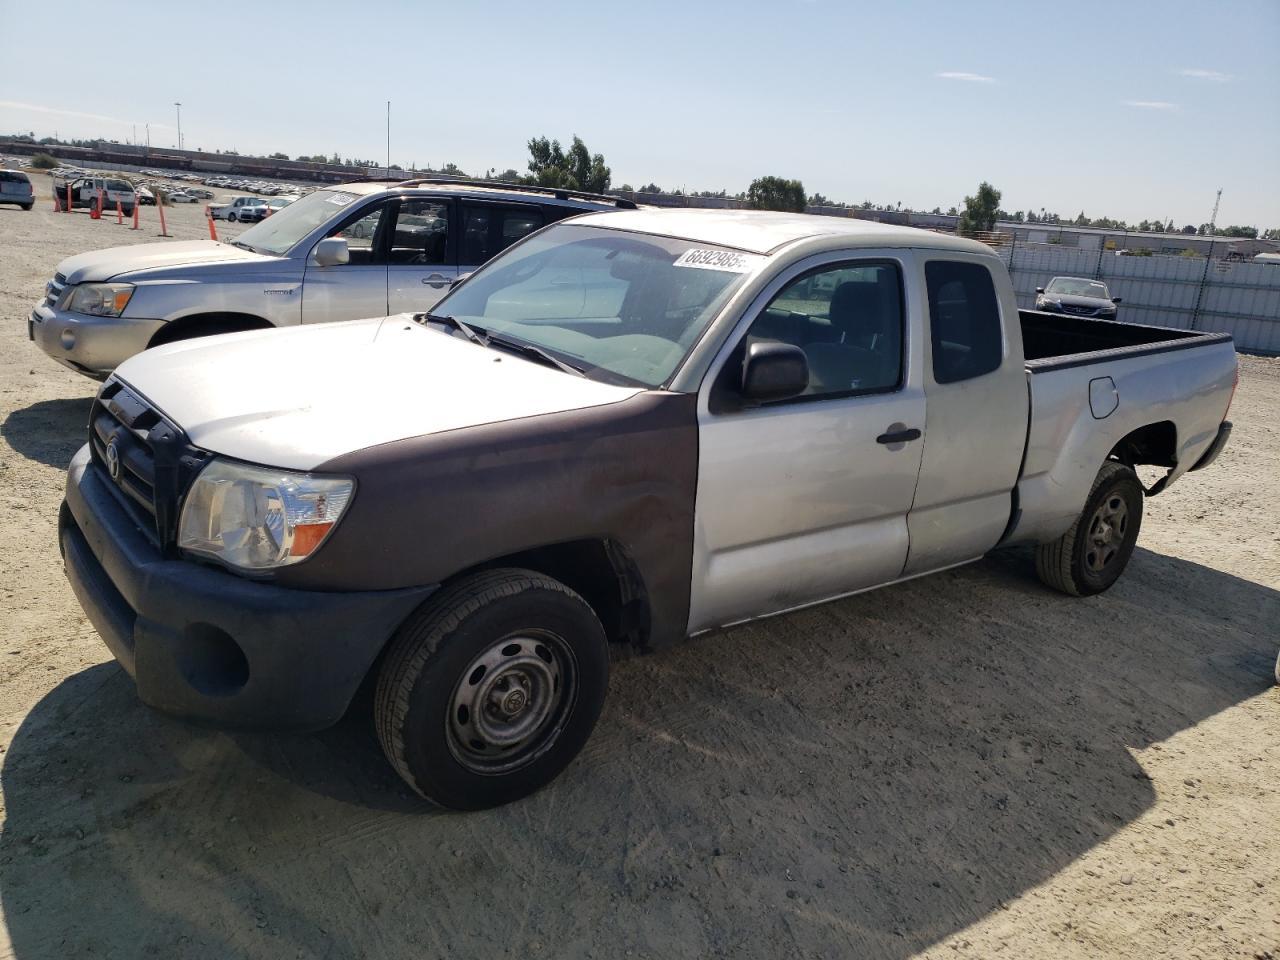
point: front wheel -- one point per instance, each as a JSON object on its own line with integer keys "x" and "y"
{"x": 231, "y": 217}
{"x": 491, "y": 688}
{"x": 1090, "y": 557}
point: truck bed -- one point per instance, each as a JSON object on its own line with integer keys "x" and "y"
{"x": 1053, "y": 340}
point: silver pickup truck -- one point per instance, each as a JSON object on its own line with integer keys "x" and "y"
{"x": 627, "y": 429}
{"x": 359, "y": 250}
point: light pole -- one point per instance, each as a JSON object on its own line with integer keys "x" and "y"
{"x": 179, "y": 108}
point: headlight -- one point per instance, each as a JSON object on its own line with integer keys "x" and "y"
{"x": 256, "y": 518}
{"x": 97, "y": 299}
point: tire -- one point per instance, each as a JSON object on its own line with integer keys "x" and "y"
{"x": 231, "y": 217}
{"x": 26, "y": 206}
{"x": 491, "y": 688}
{"x": 126, "y": 211}
{"x": 1090, "y": 557}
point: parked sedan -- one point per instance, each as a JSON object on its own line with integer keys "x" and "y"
{"x": 180, "y": 196}
{"x": 1078, "y": 296}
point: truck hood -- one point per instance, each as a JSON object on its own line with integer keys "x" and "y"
{"x": 299, "y": 397}
{"x": 98, "y": 265}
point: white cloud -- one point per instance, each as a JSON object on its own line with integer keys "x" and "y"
{"x": 1198, "y": 73}
{"x": 1151, "y": 104}
{"x": 74, "y": 114}
{"x": 967, "y": 77}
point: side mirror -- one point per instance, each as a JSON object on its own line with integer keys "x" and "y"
{"x": 1116, "y": 300}
{"x": 774, "y": 371}
{"x": 331, "y": 251}
{"x": 1039, "y": 289}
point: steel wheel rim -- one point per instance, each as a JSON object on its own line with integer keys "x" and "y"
{"x": 510, "y": 703}
{"x": 1108, "y": 531}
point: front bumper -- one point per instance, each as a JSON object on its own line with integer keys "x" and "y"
{"x": 205, "y": 644}
{"x": 93, "y": 346}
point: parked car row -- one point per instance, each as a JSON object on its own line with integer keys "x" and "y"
{"x": 566, "y": 424}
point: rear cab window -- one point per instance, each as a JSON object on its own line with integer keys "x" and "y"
{"x": 964, "y": 320}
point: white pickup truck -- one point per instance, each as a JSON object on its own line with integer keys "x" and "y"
{"x": 627, "y": 429}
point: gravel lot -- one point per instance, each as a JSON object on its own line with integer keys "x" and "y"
{"x": 966, "y": 765}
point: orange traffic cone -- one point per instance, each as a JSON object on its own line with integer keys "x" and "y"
{"x": 213, "y": 232}
{"x": 164, "y": 231}
{"x": 136, "y": 207}
{"x": 68, "y": 210}
{"x": 119, "y": 212}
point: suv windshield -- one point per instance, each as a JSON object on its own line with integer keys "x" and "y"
{"x": 1070, "y": 287}
{"x": 623, "y": 307}
{"x": 278, "y": 233}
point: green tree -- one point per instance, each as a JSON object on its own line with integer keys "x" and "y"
{"x": 42, "y": 161}
{"x": 579, "y": 169}
{"x": 979, "y": 214}
{"x": 278, "y": 156}
{"x": 776, "y": 193}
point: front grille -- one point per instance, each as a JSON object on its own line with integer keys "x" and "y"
{"x": 148, "y": 459}
{"x": 53, "y": 289}
{"x": 1078, "y": 310}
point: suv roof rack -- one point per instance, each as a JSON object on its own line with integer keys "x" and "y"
{"x": 560, "y": 193}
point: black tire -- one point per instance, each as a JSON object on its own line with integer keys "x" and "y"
{"x": 1090, "y": 557}
{"x": 231, "y": 217}
{"x": 126, "y": 211}
{"x": 26, "y": 206}
{"x": 431, "y": 670}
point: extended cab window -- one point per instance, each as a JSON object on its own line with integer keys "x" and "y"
{"x": 847, "y": 318}
{"x": 964, "y": 320}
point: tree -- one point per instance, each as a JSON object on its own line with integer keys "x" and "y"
{"x": 451, "y": 170}
{"x": 1247, "y": 232}
{"x": 776, "y": 193}
{"x": 42, "y": 161}
{"x": 579, "y": 169}
{"x": 979, "y": 214}
{"x": 278, "y": 156}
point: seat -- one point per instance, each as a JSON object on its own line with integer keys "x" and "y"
{"x": 867, "y": 352}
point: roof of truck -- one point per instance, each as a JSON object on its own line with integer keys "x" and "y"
{"x": 763, "y": 231}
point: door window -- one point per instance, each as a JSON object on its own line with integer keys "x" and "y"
{"x": 421, "y": 234}
{"x": 490, "y": 229}
{"x": 847, "y": 318}
{"x": 964, "y": 320}
{"x": 361, "y": 233}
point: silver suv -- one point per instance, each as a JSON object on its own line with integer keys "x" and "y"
{"x": 344, "y": 253}
{"x": 15, "y": 187}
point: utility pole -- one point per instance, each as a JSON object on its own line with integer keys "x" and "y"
{"x": 388, "y": 139}
{"x": 1213, "y": 218}
{"x": 179, "y": 108}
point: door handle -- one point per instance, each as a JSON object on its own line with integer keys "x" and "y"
{"x": 436, "y": 280}
{"x": 899, "y": 436}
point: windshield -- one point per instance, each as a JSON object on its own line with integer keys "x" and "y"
{"x": 623, "y": 307}
{"x": 1071, "y": 287}
{"x": 280, "y": 232}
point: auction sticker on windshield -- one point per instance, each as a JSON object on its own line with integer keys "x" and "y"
{"x": 341, "y": 199}
{"x": 726, "y": 261}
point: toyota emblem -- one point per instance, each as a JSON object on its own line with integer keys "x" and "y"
{"x": 113, "y": 459}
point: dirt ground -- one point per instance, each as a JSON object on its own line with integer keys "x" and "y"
{"x": 966, "y": 765}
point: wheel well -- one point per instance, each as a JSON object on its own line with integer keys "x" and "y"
{"x": 206, "y": 325}
{"x": 1155, "y": 445}
{"x": 603, "y": 573}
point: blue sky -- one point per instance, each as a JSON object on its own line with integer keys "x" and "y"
{"x": 1127, "y": 109}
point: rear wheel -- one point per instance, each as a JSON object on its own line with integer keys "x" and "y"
{"x": 491, "y": 688}
{"x": 1090, "y": 557}
{"x": 231, "y": 217}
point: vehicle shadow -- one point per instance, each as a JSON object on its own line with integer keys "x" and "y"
{"x": 50, "y": 431}
{"x": 861, "y": 779}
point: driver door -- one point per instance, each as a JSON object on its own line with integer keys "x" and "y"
{"x": 358, "y": 288}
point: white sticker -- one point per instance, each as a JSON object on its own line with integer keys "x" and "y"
{"x": 341, "y": 199}
{"x": 726, "y": 261}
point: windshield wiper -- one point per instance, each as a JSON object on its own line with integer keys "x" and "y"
{"x": 474, "y": 334}
{"x": 243, "y": 246}
{"x": 536, "y": 353}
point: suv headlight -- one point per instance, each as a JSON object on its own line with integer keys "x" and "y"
{"x": 257, "y": 518}
{"x": 97, "y": 299}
